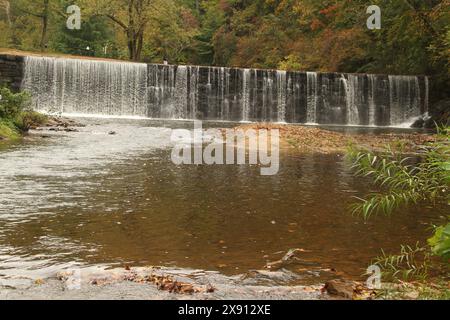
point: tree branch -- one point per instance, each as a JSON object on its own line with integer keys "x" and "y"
{"x": 120, "y": 23}
{"x": 423, "y": 17}
{"x": 31, "y": 13}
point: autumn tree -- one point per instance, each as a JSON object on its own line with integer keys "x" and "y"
{"x": 132, "y": 17}
{"x": 172, "y": 35}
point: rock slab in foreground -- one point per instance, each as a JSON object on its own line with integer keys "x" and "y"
{"x": 132, "y": 285}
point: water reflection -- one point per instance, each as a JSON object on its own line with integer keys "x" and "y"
{"x": 91, "y": 198}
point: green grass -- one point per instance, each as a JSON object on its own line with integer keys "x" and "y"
{"x": 8, "y": 131}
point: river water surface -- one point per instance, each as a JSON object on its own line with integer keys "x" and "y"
{"x": 94, "y": 199}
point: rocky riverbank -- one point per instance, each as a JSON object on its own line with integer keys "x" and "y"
{"x": 9, "y": 132}
{"x": 275, "y": 281}
{"x": 159, "y": 284}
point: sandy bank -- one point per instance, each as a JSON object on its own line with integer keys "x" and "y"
{"x": 311, "y": 139}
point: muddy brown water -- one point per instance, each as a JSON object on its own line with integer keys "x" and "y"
{"x": 92, "y": 199}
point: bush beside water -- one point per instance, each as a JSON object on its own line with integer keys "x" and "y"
{"x": 402, "y": 184}
{"x": 16, "y": 116}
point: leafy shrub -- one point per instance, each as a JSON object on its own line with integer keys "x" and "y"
{"x": 28, "y": 119}
{"x": 429, "y": 180}
{"x": 12, "y": 104}
{"x": 410, "y": 263}
{"x": 15, "y": 114}
{"x": 404, "y": 184}
{"x": 440, "y": 242}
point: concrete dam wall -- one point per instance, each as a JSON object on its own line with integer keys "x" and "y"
{"x": 108, "y": 88}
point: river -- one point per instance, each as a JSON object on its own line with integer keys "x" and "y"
{"x": 92, "y": 198}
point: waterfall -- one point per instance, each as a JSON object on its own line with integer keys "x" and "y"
{"x": 281, "y": 95}
{"x": 372, "y": 95}
{"x": 86, "y": 86}
{"x": 404, "y": 98}
{"x": 353, "y": 95}
{"x": 312, "y": 97}
{"x": 92, "y": 87}
{"x": 224, "y": 98}
{"x": 267, "y": 96}
{"x": 180, "y": 94}
{"x": 193, "y": 91}
{"x": 246, "y": 95}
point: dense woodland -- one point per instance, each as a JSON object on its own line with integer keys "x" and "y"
{"x": 321, "y": 35}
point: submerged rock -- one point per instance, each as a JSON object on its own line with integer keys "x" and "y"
{"x": 348, "y": 290}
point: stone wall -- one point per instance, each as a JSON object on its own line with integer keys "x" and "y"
{"x": 11, "y": 71}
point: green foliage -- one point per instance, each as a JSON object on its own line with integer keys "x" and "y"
{"x": 440, "y": 242}
{"x": 8, "y": 130}
{"x": 403, "y": 181}
{"x": 292, "y": 62}
{"x": 12, "y": 104}
{"x": 411, "y": 264}
{"x": 15, "y": 117}
{"x": 26, "y": 120}
{"x": 94, "y": 34}
{"x": 290, "y": 34}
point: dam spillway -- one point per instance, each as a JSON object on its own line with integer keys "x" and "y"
{"x": 92, "y": 87}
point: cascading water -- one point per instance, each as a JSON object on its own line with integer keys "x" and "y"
{"x": 85, "y": 86}
{"x": 246, "y": 95}
{"x": 312, "y": 97}
{"x": 209, "y": 93}
{"x": 405, "y": 98}
{"x": 281, "y": 98}
{"x": 224, "y": 88}
{"x": 372, "y": 93}
{"x": 193, "y": 91}
{"x": 180, "y": 110}
{"x": 353, "y": 96}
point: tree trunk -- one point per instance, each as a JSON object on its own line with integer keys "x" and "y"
{"x": 134, "y": 29}
{"x": 140, "y": 43}
{"x": 7, "y": 6}
{"x": 45, "y": 16}
{"x": 131, "y": 46}
{"x": 135, "y": 44}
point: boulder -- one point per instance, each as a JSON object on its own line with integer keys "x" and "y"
{"x": 340, "y": 288}
{"x": 440, "y": 114}
{"x": 418, "y": 124}
{"x": 348, "y": 290}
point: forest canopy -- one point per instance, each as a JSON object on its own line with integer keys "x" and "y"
{"x": 320, "y": 35}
